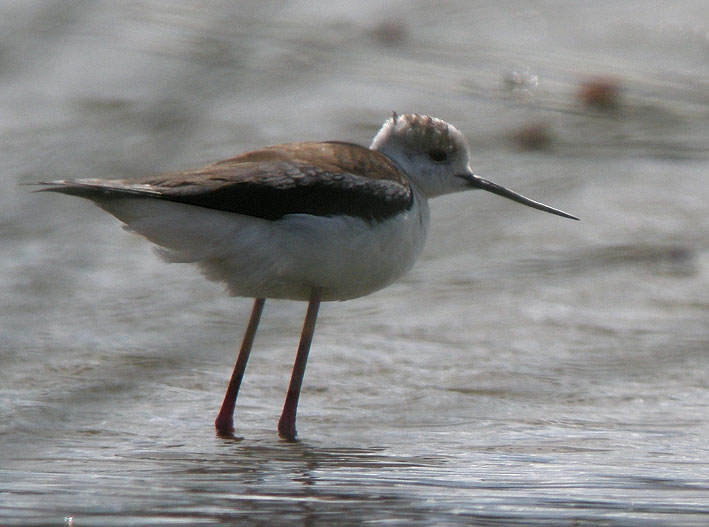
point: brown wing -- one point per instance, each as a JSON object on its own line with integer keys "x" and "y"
{"x": 322, "y": 179}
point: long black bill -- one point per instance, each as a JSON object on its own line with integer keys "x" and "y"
{"x": 478, "y": 182}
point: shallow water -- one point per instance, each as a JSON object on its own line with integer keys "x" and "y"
{"x": 529, "y": 371}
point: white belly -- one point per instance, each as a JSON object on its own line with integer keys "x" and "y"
{"x": 347, "y": 257}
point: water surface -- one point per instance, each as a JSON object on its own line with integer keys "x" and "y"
{"x": 530, "y": 370}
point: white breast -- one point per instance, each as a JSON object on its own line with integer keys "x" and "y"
{"x": 347, "y": 257}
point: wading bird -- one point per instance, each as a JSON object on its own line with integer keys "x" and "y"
{"x": 315, "y": 221}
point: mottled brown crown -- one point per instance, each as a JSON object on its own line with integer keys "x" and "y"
{"x": 427, "y": 132}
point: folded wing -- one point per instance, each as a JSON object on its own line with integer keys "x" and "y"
{"x": 323, "y": 179}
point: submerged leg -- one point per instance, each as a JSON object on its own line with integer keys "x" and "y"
{"x": 225, "y": 420}
{"x": 286, "y": 424}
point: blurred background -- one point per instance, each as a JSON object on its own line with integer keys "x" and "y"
{"x": 530, "y": 370}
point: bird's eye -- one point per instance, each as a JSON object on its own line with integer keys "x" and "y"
{"x": 438, "y": 155}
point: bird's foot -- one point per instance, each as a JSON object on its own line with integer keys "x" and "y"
{"x": 286, "y": 430}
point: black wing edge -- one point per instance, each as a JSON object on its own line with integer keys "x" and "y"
{"x": 346, "y": 195}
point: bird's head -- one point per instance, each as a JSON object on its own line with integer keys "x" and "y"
{"x": 436, "y": 158}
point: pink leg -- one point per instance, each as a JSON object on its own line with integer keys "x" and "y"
{"x": 225, "y": 420}
{"x": 286, "y": 424}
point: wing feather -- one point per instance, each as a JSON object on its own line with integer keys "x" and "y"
{"x": 322, "y": 179}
